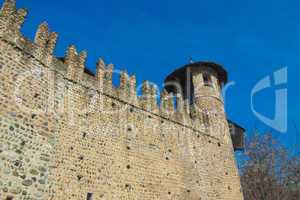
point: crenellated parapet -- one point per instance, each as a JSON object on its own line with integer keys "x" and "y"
{"x": 11, "y": 19}
{"x": 146, "y": 96}
{"x": 108, "y": 78}
{"x": 75, "y": 64}
{"x": 153, "y": 100}
{"x": 167, "y": 103}
{"x": 104, "y": 74}
{"x": 124, "y": 87}
{"x": 127, "y": 88}
{"x": 72, "y": 67}
{"x": 100, "y": 74}
{"x": 133, "y": 97}
{"x": 46, "y": 42}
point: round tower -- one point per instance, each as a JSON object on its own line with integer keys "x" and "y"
{"x": 201, "y": 84}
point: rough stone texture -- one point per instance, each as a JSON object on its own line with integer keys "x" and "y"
{"x": 64, "y": 133}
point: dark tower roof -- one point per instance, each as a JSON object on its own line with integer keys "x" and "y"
{"x": 181, "y": 73}
{"x": 222, "y": 73}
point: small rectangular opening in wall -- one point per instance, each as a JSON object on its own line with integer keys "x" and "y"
{"x": 207, "y": 80}
{"x": 9, "y": 198}
{"x": 89, "y": 196}
{"x": 205, "y": 118}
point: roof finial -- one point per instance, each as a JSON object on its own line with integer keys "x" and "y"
{"x": 191, "y": 60}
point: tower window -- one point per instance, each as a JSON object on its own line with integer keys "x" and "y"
{"x": 89, "y": 196}
{"x": 205, "y": 119}
{"x": 207, "y": 80}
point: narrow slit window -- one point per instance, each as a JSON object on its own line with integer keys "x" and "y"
{"x": 205, "y": 119}
{"x": 207, "y": 80}
{"x": 89, "y": 196}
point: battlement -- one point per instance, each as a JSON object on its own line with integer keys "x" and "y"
{"x": 73, "y": 66}
{"x": 12, "y": 18}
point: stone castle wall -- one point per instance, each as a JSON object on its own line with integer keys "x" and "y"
{"x": 65, "y": 134}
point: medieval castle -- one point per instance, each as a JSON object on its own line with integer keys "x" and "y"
{"x": 66, "y": 133}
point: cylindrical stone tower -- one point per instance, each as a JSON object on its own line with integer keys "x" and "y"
{"x": 201, "y": 86}
{"x": 211, "y": 171}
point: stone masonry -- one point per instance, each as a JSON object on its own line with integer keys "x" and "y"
{"x": 68, "y": 134}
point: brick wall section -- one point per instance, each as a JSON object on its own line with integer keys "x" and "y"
{"x": 51, "y": 148}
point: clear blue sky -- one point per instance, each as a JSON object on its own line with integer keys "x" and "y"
{"x": 251, "y": 39}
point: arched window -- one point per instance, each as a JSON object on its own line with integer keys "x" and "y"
{"x": 207, "y": 80}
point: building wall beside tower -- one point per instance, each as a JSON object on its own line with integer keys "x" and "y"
{"x": 65, "y": 134}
